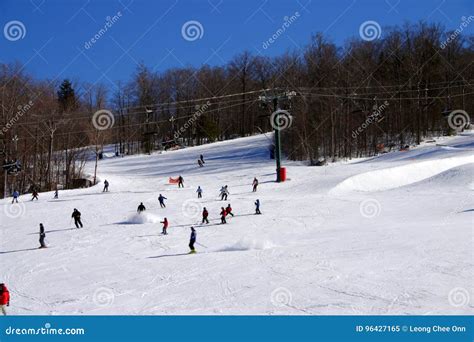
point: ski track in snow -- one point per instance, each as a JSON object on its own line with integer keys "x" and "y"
{"x": 389, "y": 235}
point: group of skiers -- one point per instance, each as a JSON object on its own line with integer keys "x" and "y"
{"x": 76, "y": 215}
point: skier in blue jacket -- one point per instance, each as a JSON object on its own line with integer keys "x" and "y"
{"x": 161, "y": 199}
{"x": 192, "y": 240}
{"x": 15, "y": 195}
{"x": 257, "y": 207}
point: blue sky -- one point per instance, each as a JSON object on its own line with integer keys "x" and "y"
{"x": 55, "y": 32}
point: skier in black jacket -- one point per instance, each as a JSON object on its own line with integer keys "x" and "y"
{"x": 42, "y": 236}
{"x": 76, "y": 215}
{"x": 192, "y": 240}
{"x": 161, "y": 199}
{"x": 141, "y": 208}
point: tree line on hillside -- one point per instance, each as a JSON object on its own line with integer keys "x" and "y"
{"x": 359, "y": 99}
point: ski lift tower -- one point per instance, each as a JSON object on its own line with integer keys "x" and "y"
{"x": 280, "y": 119}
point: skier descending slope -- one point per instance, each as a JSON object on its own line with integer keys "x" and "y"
{"x": 42, "y": 236}
{"x": 56, "y": 194}
{"x": 106, "y": 186}
{"x": 180, "y": 182}
{"x": 228, "y": 210}
{"x": 201, "y": 158}
{"x": 141, "y": 208}
{"x": 205, "y": 214}
{"x": 161, "y": 199}
{"x": 199, "y": 192}
{"x": 255, "y": 184}
{"x": 76, "y": 215}
{"x": 224, "y": 193}
{"x": 16, "y": 194}
{"x": 257, "y": 207}
{"x": 192, "y": 240}
{"x": 223, "y": 215}
{"x": 34, "y": 195}
{"x": 165, "y": 226}
{"x": 4, "y": 298}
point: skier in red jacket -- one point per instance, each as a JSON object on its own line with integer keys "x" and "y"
{"x": 223, "y": 215}
{"x": 4, "y": 298}
{"x": 165, "y": 226}
{"x": 205, "y": 214}
{"x": 228, "y": 210}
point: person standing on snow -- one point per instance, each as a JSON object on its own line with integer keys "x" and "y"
{"x": 42, "y": 236}
{"x": 228, "y": 210}
{"x": 199, "y": 192}
{"x": 141, "y": 208}
{"x": 192, "y": 240}
{"x": 76, "y": 215}
{"x": 201, "y": 158}
{"x": 161, "y": 199}
{"x": 4, "y": 298}
{"x": 180, "y": 182}
{"x": 34, "y": 195}
{"x": 165, "y": 226}
{"x": 223, "y": 215}
{"x": 257, "y": 207}
{"x": 106, "y": 186}
{"x": 205, "y": 214}
{"x": 56, "y": 194}
{"x": 15, "y": 195}
{"x": 255, "y": 184}
{"x": 224, "y": 193}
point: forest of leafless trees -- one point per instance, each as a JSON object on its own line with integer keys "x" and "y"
{"x": 349, "y": 101}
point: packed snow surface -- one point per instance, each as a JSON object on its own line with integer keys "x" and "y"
{"x": 390, "y": 234}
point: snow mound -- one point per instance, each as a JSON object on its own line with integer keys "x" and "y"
{"x": 246, "y": 244}
{"x": 142, "y": 218}
{"x": 395, "y": 177}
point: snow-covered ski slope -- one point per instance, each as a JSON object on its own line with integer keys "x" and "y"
{"x": 386, "y": 235}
